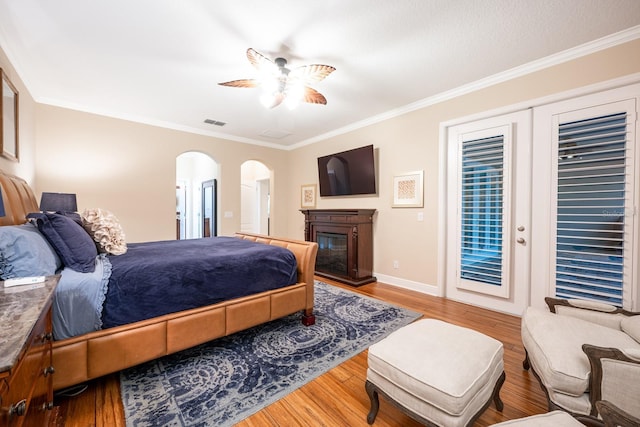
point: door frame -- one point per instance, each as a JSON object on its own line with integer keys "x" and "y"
{"x": 516, "y": 298}
{"x": 213, "y": 228}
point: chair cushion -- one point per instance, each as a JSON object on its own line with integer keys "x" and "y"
{"x": 599, "y": 317}
{"x": 550, "y": 419}
{"x": 554, "y": 344}
{"x": 631, "y": 326}
{"x": 440, "y": 363}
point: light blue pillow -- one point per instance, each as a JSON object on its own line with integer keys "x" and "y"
{"x": 25, "y": 252}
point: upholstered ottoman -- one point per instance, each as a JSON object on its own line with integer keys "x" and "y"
{"x": 438, "y": 373}
{"x": 550, "y": 419}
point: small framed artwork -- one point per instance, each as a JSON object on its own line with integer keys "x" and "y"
{"x": 308, "y": 196}
{"x": 8, "y": 119}
{"x": 407, "y": 190}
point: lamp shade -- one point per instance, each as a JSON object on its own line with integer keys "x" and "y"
{"x": 1, "y": 204}
{"x": 58, "y": 202}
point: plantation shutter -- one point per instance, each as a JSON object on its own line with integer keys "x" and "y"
{"x": 594, "y": 192}
{"x": 482, "y": 192}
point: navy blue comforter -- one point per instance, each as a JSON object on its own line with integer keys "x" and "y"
{"x": 156, "y": 278}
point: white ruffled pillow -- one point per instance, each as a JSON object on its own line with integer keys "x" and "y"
{"x": 105, "y": 230}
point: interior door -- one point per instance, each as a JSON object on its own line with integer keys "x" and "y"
{"x": 264, "y": 205}
{"x": 209, "y": 208}
{"x": 181, "y": 210}
{"x": 488, "y": 210}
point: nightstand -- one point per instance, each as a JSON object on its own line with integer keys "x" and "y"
{"x": 26, "y": 383}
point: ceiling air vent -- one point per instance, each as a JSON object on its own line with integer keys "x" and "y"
{"x": 214, "y": 122}
{"x": 275, "y": 134}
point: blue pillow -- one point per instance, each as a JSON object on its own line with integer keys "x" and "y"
{"x": 24, "y": 252}
{"x": 76, "y": 248}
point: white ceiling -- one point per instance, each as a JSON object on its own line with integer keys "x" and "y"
{"x": 159, "y": 61}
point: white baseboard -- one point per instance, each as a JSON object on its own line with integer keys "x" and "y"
{"x": 408, "y": 284}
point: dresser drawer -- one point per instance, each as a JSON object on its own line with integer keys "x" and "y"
{"x": 27, "y": 391}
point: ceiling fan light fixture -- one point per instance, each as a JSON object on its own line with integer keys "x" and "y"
{"x": 271, "y": 100}
{"x": 280, "y": 84}
{"x": 294, "y": 94}
{"x": 291, "y": 103}
{"x": 267, "y": 100}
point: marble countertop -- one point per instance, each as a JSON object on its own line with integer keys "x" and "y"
{"x": 20, "y": 308}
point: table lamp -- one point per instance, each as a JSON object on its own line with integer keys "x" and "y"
{"x": 58, "y": 202}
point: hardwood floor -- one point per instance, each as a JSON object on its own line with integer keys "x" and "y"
{"x": 338, "y": 398}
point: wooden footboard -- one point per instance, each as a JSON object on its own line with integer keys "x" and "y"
{"x": 95, "y": 354}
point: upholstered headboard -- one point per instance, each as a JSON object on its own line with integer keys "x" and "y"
{"x": 18, "y": 198}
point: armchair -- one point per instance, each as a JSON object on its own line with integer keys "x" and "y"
{"x": 553, "y": 341}
{"x": 615, "y": 385}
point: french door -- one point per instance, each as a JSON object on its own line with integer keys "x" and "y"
{"x": 544, "y": 202}
{"x": 488, "y": 205}
{"x": 588, "y": 196}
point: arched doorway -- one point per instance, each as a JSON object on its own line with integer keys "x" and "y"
{"x": 196, "y": 195}
{"x": 255, "y": 192}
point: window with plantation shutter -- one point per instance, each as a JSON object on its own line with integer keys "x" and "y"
{"x": 481, "y": 212}
{"x": 593, "y": 195}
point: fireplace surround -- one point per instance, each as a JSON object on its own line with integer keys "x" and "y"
{"x": 345, "y": 243}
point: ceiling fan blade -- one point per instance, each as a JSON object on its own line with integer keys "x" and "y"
{"x": 260, "y": 62}
{"x": 312, "y": 73}
{"x": 241, "y": 83}
{"x": 312, "y": 96}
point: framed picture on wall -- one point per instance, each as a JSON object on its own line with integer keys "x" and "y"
{"x": 8, "y": 119}
{"x": 407, "y": 190}
{"x": 308, "y": 196}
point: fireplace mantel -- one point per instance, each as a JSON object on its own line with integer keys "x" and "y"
{"x": 345, "y": 243}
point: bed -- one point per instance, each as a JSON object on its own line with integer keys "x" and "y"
{"x": 97, "y": 353}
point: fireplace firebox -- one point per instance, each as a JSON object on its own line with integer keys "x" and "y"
{"x": 345, "y": 243}
{"x": 332, "y": 253}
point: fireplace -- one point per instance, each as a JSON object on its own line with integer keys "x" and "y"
{"x": 345, "y": 243}
{"x": 332, "y": 253}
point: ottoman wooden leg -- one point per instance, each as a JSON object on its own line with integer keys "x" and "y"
{"x": 496, "y": 392}
{"x": 525, "y": 363}
{"x": 375, "y": 403}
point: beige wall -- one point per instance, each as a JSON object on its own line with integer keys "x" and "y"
{"x": 411, "y": 142}
{"x": 129, "y": 168}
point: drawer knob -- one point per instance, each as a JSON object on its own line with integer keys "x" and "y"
{"x": 49, "y": 370}
{"x": 19, "y": 408}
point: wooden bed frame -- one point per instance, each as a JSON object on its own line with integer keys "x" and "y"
{"x": 98, "y": 353}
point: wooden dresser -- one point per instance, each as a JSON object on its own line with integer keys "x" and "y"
{"x": 26, "y": 383}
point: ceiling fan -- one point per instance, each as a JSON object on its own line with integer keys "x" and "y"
{"x": 280, "y": 84}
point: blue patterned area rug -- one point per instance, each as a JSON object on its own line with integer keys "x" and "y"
{"x": 226, "y": 380}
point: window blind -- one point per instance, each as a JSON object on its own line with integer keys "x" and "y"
{"x": 482, "y": 210}
{"x": 591, "y": 200}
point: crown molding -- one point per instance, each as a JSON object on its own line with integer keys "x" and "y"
{"x": 585, "y": 49}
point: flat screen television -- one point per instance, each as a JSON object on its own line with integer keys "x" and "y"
{"x": 348, "y": 172}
